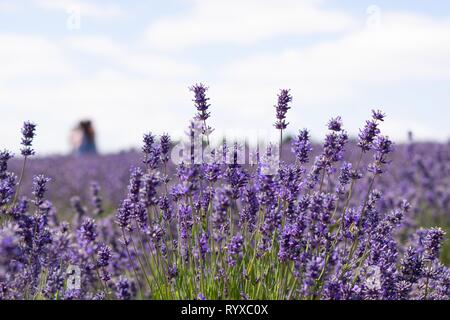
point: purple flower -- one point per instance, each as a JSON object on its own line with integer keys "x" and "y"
{"x": 351, "y": 218}
{"x": 28, "y": 133}
{"x": 237, "y": 179}
{"x": 313, "y": 268}
{"x": 235, "y": 247}
{"x": 39, "y": 188}
{"x": 411, "y": 265}
{"x": 172, "y": 272}
{"x": 88, "y": 231}
{"x": 301, "y": 146}
{"x": 103, "y": 256}
{"x": 244, "y": 296}
{"x": 368, "y": 134}
{"x": 200, "y": 296}
{"x": 20, "y": 209}
{"x": 333, "y": 150}
{"x": 135, "y": 184}
{"x": 99, "y": 296}
{"x": 250, "y": 209}
{"x": 165, "y": 147}
{"x": 156, "y": 233}
{"x": 149, "y": 140}
{"x": 149, "y": 193}
{"x": 5, "y": 156}
{"x": 152, "y": 153}
{"x": 382, "y": 146}
{"x": 185, "y": 223}
{"x": 73, "y": 294}
{"x": 7, "y": 188}
{"x": 345, "y": 177}
{"x": 165, "y": 206}
{"x": 203, "y": 245}
{"x": 124, "y": 214}
{"x": 432, "y": 243}
{"x": 378, "y": 115}
{"x": 123, "y": 289}
{"x": 97, "y": 200}
{"x": 55, "y": 282}
{"x": 201, "y": 101}
{"x": 281, "y": 108}
{"x": 10, "y": 243}
{"x": 212, "y": 171}
{"x": 335, "y": 124}
{"x": 79, "y": 208}
{"x": 290, "y": 243}
{"x": 221, "y": 204}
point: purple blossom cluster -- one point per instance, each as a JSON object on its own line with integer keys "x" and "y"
{"x": 330, "y": 223}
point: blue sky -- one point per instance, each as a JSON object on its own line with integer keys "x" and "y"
{"x": 128, "y": 64}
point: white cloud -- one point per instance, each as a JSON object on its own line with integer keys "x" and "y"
{"x": 244, "y": 22}
{"x": 7, "y": 6}
{"x": 23, "y": 56}
{"x": 136, "y": 60}
{"x": 405, "y": 47}
{"x": 86, "y": 8}
{"x": 407, "y": 50}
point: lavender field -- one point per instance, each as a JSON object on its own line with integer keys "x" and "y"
{"x": 348, "y": 218}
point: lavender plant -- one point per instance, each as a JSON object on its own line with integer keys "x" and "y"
{"x": 284, "y": 98}
{"x": 337, "y": 227}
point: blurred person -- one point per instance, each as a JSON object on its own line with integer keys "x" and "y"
{"x": 82, "y": 139}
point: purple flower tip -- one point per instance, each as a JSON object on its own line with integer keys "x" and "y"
{"x": 335, "y": 124}
{"x": 201, "y": 101}
{"x": 378, "y": 115}
{"x": 284, "y": 97}
{"x": 28, "y": 133}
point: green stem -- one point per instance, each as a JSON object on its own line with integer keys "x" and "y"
{"x": 22, "y": 174}
{"x": 131, "y": 261}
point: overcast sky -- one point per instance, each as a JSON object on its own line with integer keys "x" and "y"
{"x": 128, "y": 65}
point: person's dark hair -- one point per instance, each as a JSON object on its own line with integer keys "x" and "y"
{"x": 88, "y": 129}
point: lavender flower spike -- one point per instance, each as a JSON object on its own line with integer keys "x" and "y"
{"x": 151, "y": 151}
{"x": 433, "y": 242}
{"x": 28, "y": 133}
{"x": 378, "y": 115}
{"x": 97, "y": 200}
{"x": 235, "y": 249}
{"x": 301, "y": 146}
{"x": 335, "y": 124}
{"x": 7, "y": 188}
{"x": 282, "y": 107}
{"x": 165, "y": 147}
{"x": 124, "y": 214}
{"x": 201, "y": 101}
{"x": 103, "y": 256}
{"x": 370, "y": 131}
{"x": 88, "y": 230}
{"x": 5, "y": 156}
{"x": 39, "y": 188}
